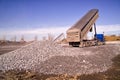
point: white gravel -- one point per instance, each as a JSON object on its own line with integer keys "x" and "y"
{"x": 49, "y": 58}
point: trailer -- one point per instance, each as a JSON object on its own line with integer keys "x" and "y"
{"x": 77, "y": 33}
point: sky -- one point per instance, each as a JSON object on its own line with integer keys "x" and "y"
{"x": 31, "y": 18}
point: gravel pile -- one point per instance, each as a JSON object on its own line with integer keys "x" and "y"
{"x": 49, "y": 58}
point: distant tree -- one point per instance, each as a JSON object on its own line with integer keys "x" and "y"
{"x": 43, "y": 38}
{"x": 119, "y": 35}
{"x": 36, "y": 38}
{"x": 113, "y": 35}
{"x": 4, "y": 38}
{"x": 50, "y": 37}
{"x": 14, "y": 39}
{"x": 22, "y": 38}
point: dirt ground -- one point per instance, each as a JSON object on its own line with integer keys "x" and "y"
{"x": 5, "y": 50}
{"x": 89, "y": 58}
{"x": 8, "y": 47}
{"x": 54, "y": 59}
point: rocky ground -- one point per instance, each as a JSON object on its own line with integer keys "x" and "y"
{"x": 49, "y": 58}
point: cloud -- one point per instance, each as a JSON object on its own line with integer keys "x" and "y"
{"x": 40, "y": 32}
{"x": 109, "y": 29}
{"x": 29, "y": 34}
{"x": 56, "y": 30}
{"x": 52, "y": 30}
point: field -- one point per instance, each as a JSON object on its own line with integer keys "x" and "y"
{"x": 10, "y": 46}
{"x": 47, "y": 61}
{"x": 112, "y": 38}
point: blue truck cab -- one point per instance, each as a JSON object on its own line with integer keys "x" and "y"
{"x": 100, "y": 37}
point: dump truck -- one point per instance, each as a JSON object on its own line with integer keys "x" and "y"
{"x": 77, "y": 33}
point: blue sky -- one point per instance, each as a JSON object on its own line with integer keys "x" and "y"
{"x": 28, "y": 16}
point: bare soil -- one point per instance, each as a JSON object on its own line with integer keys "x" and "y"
{"x": 10, "y": 46}
{"x": 48, "y": 58}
